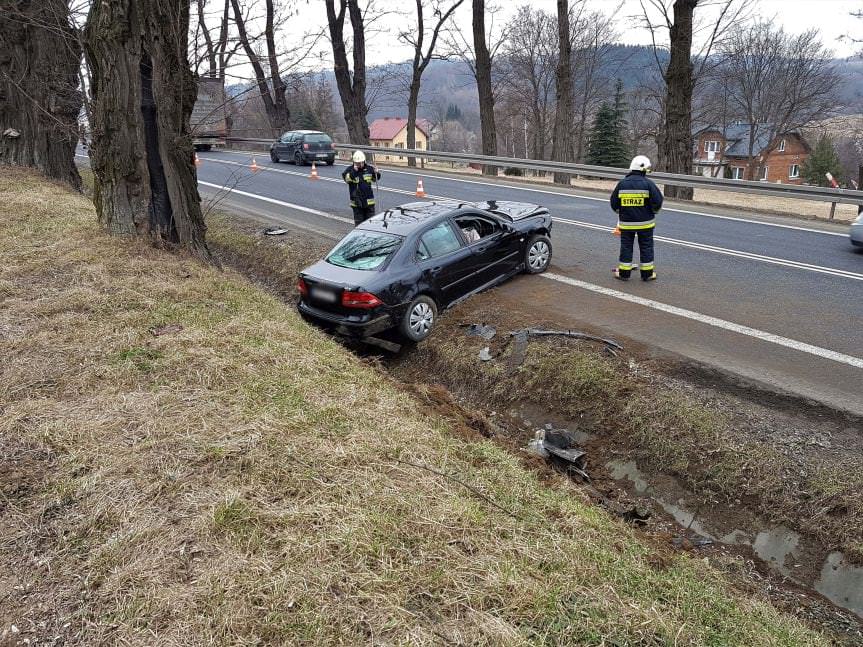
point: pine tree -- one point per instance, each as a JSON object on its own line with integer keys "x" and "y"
{"x": 607, "y": 145}
{"x": 453, "y": 112}
{"x": 822, "y": 160}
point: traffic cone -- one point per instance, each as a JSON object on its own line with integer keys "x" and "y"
{"x": 616, "y": 231}
{"x": 314, "y": 174}
{"x": 254, "y": 166}
{"x": 421, "y": 192}
{"x": 197, "y": 160}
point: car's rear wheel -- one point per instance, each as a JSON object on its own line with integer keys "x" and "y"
{"x": 537, "y": 254}
{"x": 330, "y": 162}
{"x": 419, "y": 319}
{"x": 298, "y": 159}
{"x": 274, "y": 156}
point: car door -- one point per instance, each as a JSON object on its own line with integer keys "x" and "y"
{"x": 498, "y": 251}
{"x": 445, "y": 263}
{"x": 281, "y": 145}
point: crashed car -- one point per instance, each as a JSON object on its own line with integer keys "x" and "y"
{"x": 398, "y": 270}
{"x": 856, "y": 233}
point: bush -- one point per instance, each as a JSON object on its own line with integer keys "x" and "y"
{"x": 511, "y": 170}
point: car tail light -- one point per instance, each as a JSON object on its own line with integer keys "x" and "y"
{"x": 360, "y": 300}
{"x": 302, "y": 288}
{"x": 332, "y": 146}
{"x": 305, "y": 147}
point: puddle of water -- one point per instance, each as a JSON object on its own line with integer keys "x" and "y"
{"x": 620, "y": 470}
{"x": 776, "y": 546}
{"x": 841, "y": 583}
{"x": 780, "y": 548}
{"x": 685, "y": 518}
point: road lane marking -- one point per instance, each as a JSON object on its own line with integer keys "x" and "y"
{"x": 673, "y": 241}
{"x": 793, "y": 344}
{"x": 281, "y": 203}
{"x": 729, "y": 252}
{"x": 594, "y": 198}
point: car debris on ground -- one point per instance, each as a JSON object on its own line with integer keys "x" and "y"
{"x": 275, "y": 231}
{"x": 559, "y": 446}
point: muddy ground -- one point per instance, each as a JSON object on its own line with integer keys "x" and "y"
{"x": 715, "y": 457}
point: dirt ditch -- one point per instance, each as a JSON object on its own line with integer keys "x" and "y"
{"x": 767, "y": 487}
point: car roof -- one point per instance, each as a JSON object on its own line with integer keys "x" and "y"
{"x": 407, "y": 218}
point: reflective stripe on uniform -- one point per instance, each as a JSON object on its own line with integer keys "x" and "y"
{"x": 646, "y": 224}
{"x": 647, "y": 266}
{"x": 370, "y": 202}
{"x": 633, "y": 198}
{"x": 626, "y": 267}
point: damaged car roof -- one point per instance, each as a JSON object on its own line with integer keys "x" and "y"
{"x": 407, "y": 217}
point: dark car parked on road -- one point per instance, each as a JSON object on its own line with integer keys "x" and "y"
{"x": 303, "y": 147}
{"x": 400, "y": 268}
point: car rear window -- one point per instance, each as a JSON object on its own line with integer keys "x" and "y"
{"x": 318, "y": 139}
{"x": 364, "y": 250}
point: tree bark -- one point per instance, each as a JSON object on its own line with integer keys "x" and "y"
{"x": 143, "y": 92}
{"x": 352, "y": 87}
{"x": 677, "y": 135}
{"x": 483, "y": 86}
{"x": 39, "y": 97}
{"x": 560, "y": 146}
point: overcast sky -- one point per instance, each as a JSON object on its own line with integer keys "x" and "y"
{"x": 831, "y": 17}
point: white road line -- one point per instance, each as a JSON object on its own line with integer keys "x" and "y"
{"x": 281, "y": 203}
{"x": 730, "y": 252}
{"x": 594, "y": 198}
{"x": 856, "y": 362}
{"x": 439, "y": 198}
{"x": 674, "y": 241}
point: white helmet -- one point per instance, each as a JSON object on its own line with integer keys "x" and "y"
{"x": 640, "y": 163}
{"x": 358, "y": 157}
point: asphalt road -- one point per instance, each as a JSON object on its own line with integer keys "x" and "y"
{"x": 773, "y": 299}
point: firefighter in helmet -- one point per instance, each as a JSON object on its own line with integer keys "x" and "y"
{"x": 359, "y": 177}
{"x": 636, "y": 200}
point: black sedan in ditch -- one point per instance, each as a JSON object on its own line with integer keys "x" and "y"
{"x": 399, "y": 269}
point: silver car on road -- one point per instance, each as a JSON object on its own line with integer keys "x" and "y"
{"x": 857, "y": 231}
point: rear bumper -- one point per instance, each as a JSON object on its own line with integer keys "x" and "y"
{"x": 313, "y": 157}
{"x": 363, "y": 324}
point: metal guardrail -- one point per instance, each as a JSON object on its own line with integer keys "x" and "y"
{"x": 817, "y": 193}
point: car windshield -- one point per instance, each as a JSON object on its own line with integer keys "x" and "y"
{"x": 364, "y": 250}
{"x": 318, "y": 139}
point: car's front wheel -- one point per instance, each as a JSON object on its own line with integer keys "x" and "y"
{"x": 274, "y": 156}
{"x": 537, "y": 254}
{"x": 419, "y": 319}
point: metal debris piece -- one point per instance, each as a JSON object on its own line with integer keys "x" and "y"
{"x": 519, "y": 349}
{"x": 575, "y": 334}
{"x": 485, "y": 355}
{"x": 558, "y": 446}
{"x": 636, "y": 516}
{"x": 480, "y": 330}
{"x": 275, "y": 231}
{"x": 537, "y": 444}
{"x": 165, "y": 330}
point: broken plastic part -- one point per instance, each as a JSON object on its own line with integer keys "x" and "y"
{"x": 481, "y": 330}
{"x": 275, "y": 231}
{"x": 485, "y": 355}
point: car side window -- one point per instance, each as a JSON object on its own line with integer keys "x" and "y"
{"x": 437, "y": 241}
{"x": 475, "y": 227}
{"x": 285, "y": 138}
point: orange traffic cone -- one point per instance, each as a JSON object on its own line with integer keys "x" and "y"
{"x": 616, "y": 231}
{"x": 314, "y": 174}
{"x": 254, "y": 166}
{"x": 197, "y": 160}
{"x": 421, "y": 192}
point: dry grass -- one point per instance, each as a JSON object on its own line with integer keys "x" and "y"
{"x": 238, "y": 482}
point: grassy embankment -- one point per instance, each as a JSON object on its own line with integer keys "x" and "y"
{"x": 244, "y": 480}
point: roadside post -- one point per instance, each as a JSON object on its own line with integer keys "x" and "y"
{"x": 835, "y": 185}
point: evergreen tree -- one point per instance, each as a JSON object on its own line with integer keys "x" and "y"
{"x": 453, "y": 112}
{"x": 307, "y": 120}
{"x": 607, "y": 145}
{"x": 822, "y": 160}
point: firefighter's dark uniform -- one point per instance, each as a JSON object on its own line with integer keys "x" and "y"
{"x": 360, "y": 189}
{"x": 636, "y": 199}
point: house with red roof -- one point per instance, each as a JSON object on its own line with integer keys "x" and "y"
{"x": 392, "y": 132}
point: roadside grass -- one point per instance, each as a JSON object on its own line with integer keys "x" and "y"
{"x": 245, "y": 480}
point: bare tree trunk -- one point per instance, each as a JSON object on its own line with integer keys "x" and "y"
{"x": 143, "y": 93}
{"x": 39, "y": 97}
{"x": 677, "y": 135}
{"x": 483, "y": 86}
{"x": 560, "y": 146}
{"x": 352, "y": 87}
{"x": 275, "y": 104}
